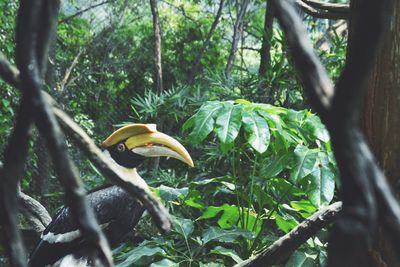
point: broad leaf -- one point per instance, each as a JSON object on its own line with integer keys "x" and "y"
{"x": 300, "y": 259}
{"x": 164, "y": 263}
{"x": 195, "y": 199}
{"x": 226, "y": 252}
{"x": 322, "y": 187}
{"x": 285, "y": 222}
{"x": 305, "y": 163}
{"x": 276, "y": 165}
{"x": 183, "y": 226}
{"x": 168, "y": 193}
{"x": 221, "y": 235}
{"x": 228, "y": 123}
{"x": 204, "y": 122}
{"x": 257, "y": 130}
{"x": 229, "y": 217}
{"x": 140, "y": 256}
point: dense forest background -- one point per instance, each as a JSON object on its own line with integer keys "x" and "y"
{"x": 260, "y": 169}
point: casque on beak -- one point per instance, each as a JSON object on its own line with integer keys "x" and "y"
{"x": 145, "y": 140}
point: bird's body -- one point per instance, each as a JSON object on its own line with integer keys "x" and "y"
{"x": 117, "y": 213}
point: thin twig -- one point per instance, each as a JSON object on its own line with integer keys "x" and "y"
{"x": 80, "y": 12}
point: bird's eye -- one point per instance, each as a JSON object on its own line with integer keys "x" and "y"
{"x": 121, "y": 147}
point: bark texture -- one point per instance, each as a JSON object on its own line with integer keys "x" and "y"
{"x": 381, "y": 123}
{"x": 157, "y": 46}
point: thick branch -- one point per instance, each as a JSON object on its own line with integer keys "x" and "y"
{"x": 322, "y": 13}
{"x": 34, "y": 212}
{"x": 81, "y": 138}
{"x": 157, "y": 47}
{"x": 15, "y": 156}
{"x": 314, "y": 77}
{"x": 36, "y": 23}
{"x": 282, "y": 248}
{"x": 340, "y": 8}
{"x": 362, "y": 183}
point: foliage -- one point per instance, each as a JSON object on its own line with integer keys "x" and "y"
{"x": 260, "y": 168}
{"x": 278, "y": 169}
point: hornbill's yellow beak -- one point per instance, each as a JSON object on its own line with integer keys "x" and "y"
{"x": 145, "y": 140}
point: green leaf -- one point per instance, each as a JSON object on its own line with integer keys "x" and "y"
{"x": 229, "y": 217}
{"x": 195, "y": 199}
{"x": 285, "y": 223}
{"x": 204, "y": 121}
{"x": 300, "y": 259}
{"x": 262, "y": 197}
{"x": 164, "y": 263}
{"x": 303, "y": 205}
{"x": 228, "y": 123}
{"x": 183, "y": 226}
{"x": 276, "y": 165}
{"x": 322, "y": 187}
{"x": 168, "y": 193}
{"x": 226, "y": 252}
{"x": 314, "y": 125}
{"x": 257, "y": 130}
{"x": 305, "y": 163}
{"x": 140, "y": 256}
{"x": 221, "y": 235}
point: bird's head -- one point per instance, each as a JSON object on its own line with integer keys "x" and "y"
{"x": 130, "y": 145}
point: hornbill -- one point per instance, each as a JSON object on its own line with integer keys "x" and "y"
{"x": 61, "y": 243}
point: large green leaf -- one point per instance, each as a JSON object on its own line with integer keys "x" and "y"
{"x": 322, "y": 187}
{"x": 315, "y": 127}
{"x": 217, "y": 234}
{"x": 305, "y": 163}
{"x": 140, "y": 256}
{"x": 285, "y": 222}
{"x": 183, "y": 226}
{"x": 228, "y": 123}
{"x": 168, "y": 193}
{"x": 195, "y": 199}
{"x": 203, "y": 122}
{"x": 229, "y": 217}
{"x": 257, "y": 130}
{"x": 300, "y": 259}
{"x": 226, "y": 252}
{"x": 276, "y": 165}
{"x": 164, "y": 263}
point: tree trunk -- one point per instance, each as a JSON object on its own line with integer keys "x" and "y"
{"x": 157, "y": 46}
{"x": 207, "y": 41}
{"x": 381, "y": 122}
{"x": 154, "y": 163}
{"x": 241, "y": 7}
{"x": 265, "y": 56}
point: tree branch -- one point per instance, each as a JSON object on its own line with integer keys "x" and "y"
{"x": 38, "y": 216}
{"x": 322, "y": 13}
{"x": 80, "y": 12}
{"x": 282, "y": 248}
{"x": 206, "y": 43}
{"x": 109, "y": 170}
{"x": 36, "y": 23}
{"x": 339, "y": 8}
{"x": 363, "y": 184}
